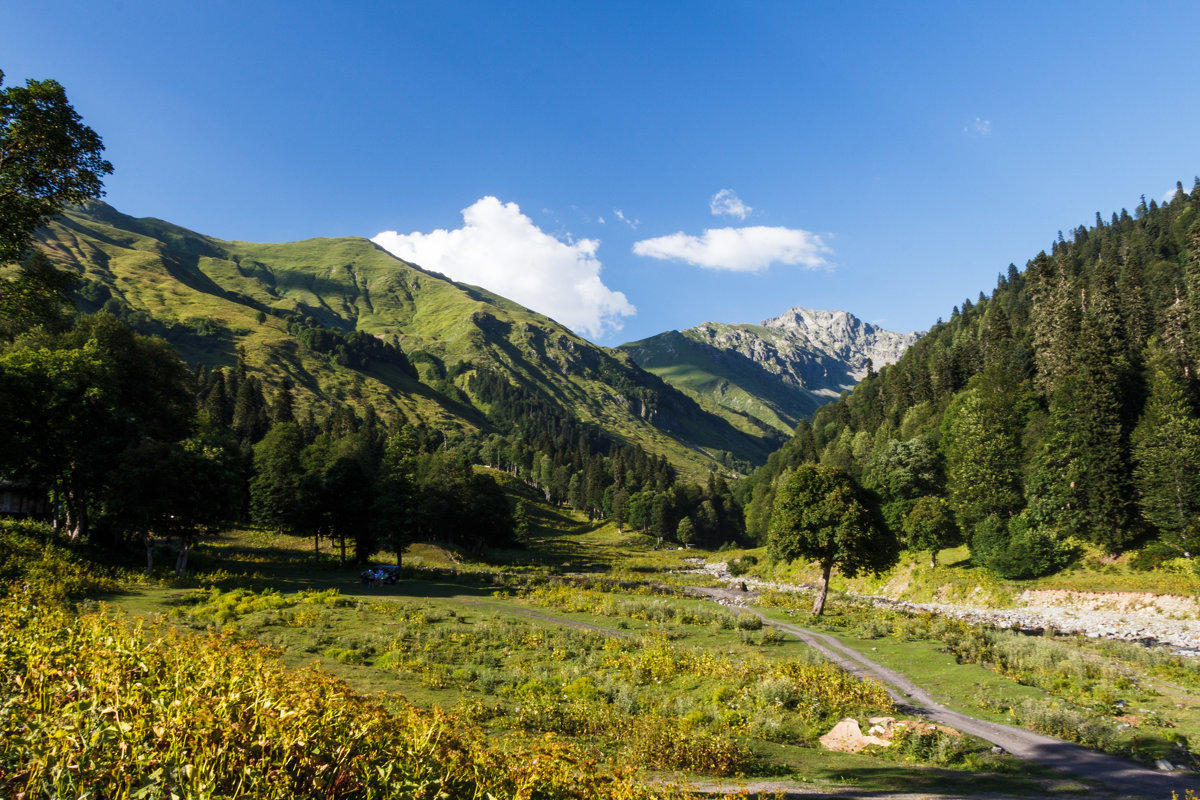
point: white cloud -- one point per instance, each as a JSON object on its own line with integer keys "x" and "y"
{"x": 727, "y": 202}
{"x": 1168, "y": 196}
{"x": 739, "y": 249}
{"x": 633, "y": 223}
{"x": 980, "y": 127}
{"x": 500, "y": 249}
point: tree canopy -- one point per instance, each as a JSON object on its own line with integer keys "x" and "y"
{"x": 48, "y": 158}
{"x": 821, "y": 514}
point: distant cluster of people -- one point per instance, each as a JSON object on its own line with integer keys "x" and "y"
{"x": 378, "y": 576}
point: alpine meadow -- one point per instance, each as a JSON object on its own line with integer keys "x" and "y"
{"x": 338, "y": 518}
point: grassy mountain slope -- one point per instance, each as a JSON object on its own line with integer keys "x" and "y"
{"x": 723, "y": 382}
{"x": 210, "y": 297}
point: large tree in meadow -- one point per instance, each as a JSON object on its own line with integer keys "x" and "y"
{"x": 821, "y": 514}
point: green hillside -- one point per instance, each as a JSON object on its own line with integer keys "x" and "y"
{"x": 724, "y": 382}
{"x": 346, "y": 322}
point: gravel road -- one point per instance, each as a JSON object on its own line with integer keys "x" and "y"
{"x": 1112, "y": 776}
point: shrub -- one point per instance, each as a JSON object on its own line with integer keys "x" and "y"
{"x": 1016, "y": 548}
{"x": 1155, "y": 555}
{"x": 32, "y": 556}
{"x": 740, "y": 566}
{"x": 932, "y": 745}
{"x": 749, "y": 622}
{"x": 150, "y": 713}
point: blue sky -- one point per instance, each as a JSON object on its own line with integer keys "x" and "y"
{"x": 630, "y": 168}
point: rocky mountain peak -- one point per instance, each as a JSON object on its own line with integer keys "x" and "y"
{"x": 843, "y": 336}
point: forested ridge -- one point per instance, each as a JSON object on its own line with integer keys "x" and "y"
{"x": 1061, "y": 408}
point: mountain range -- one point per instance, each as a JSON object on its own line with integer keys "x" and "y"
{"x": 346, "y": 322}
{"x": 765, "y": 378}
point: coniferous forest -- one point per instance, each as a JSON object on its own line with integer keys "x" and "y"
{"x": 1060, "y": 408}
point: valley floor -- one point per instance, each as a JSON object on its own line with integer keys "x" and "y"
{"x": 1066, "y": 770}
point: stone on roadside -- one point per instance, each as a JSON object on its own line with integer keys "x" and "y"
{"x": 847, "y": 737}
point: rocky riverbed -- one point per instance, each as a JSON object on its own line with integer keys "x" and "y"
{"x": 1171, "y": 620}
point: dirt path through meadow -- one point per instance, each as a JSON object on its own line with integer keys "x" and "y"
{"x": 1110, "y": 774}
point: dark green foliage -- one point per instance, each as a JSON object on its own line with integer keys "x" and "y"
{"x": 275, "y": 489}
{"x": 35, "y": 295}
{"x": 1017, "y": 548}
{"x": 982, "y": 440}
{"x": 1039, "y": 399}
{"x": 186, "y": 491}
{"x": 929, "y": 525}
{"x": 1166, "y": 452}
{"x": 251, "y": 417}
{"x": 354, "y": 349}
{"x": 76, "y": 402}
{"x": 821, "y": 514}
{"x": 48, "y": 158}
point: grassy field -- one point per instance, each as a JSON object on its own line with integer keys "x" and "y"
{"x": 586, "y": 638}
{"x": 618, "y": 661}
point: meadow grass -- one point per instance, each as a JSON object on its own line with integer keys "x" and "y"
{"x": 620, "y": 663}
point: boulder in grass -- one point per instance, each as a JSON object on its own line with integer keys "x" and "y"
{"x": 847, "y": 737}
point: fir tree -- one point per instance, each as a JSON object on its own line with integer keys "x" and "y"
{"x": 1166, "y": 453}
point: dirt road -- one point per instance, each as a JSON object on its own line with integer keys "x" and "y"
{"x": 1115, "y": 775}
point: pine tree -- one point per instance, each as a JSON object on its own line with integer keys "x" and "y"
{"x": 1081, "y": 481}
{"x": 1192, "y": 301}
{"x": 1056, "y": 318}
{"x": 982, "y": 442}
{"x": 283, "y": 405}
{"x": 250, "y": 417}
{"x": 275, "y": 487}
{"x": 1166, "y": 454}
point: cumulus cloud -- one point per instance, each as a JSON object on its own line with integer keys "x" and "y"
{"x": 1169, "y": 195}
{"x": 750, "y": 249}
{"x": 727, "y": 203}
{"x": 500, "y": 249}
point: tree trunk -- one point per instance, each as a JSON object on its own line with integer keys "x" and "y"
{"x": 932, "y": 559}
{"x": 76, "y": 512}
{"x": 149, "y": 540}
{"x": 342, "y": 541}
{"x": 181, "y": 562}
{"x": 317, "y": 542}
{"x": 823, "y": 592}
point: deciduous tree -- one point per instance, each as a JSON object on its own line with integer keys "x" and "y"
{"x": 48, "y": 158}
{"x": 821, "y": 514}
